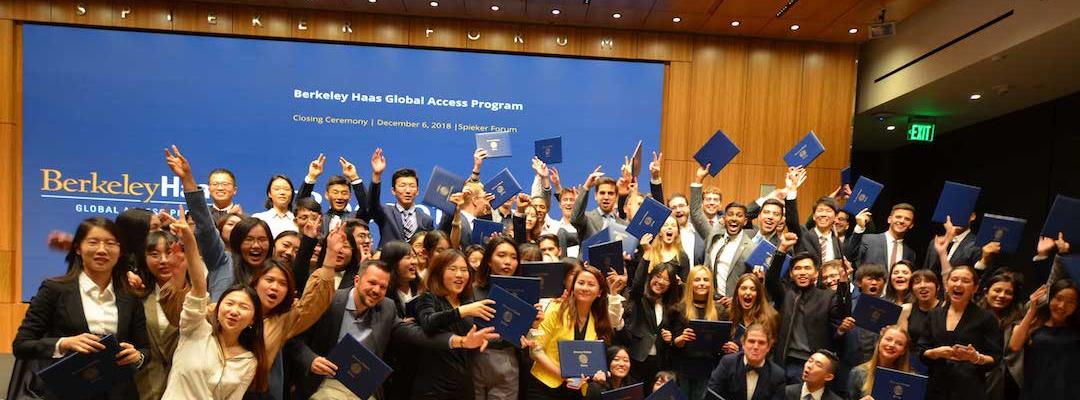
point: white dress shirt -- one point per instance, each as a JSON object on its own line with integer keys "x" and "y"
{"x": 162, "y": 320}
{"x": 751, "y": 378}
{"x": 278, "y": 222}
{"x": 722, "y": 266}
{"x": 99, "y": 306}
{"x": 828, "y": 252}
{"x": 687, "y": 234}
{"x": 815, "y": 394}
{"x": 890, "y": 242}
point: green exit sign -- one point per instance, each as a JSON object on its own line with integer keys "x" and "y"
{"x": 921, "y": 132}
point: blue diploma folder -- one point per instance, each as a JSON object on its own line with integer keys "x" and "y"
{"x": 503, "y": 186}
{"x": 549, "y": 150}
{"x": 581, "y": 357}
{"x": 805, "y": 152}
{"x": 606, "y": 256}
{"x": 483, "y": 229}
{"x": 513, "y": 316}
{"x": 718, "y": 151}
{"x": 1064, "y": 217}
{"x": 603, "y": 236}
{"x": 710, "y": 335}
{"x": 80, "y": 376}
{"x": 629, "y": 242}
{"x": 551, "y": 276}
{"x": 1002, "y": 229}
{"x": 1071, "y": 263}
{"x": 669, "y": 391}
{"x": 497, "y": 144}
{"x": 957, "y": 201}
{"x": 442, "y": 184}
{"x": 863, "y": 195}
{"x": 890, "y": 384}
{"x": 760, "y": 256}
{"x": 845, "y": 176}
{"x": 649, "y": 218}
{"x": 873, "y": 313}
{"x": 632, "y": 392}
{"x": 523, "y": 287}
{"x": 359, "y": 369}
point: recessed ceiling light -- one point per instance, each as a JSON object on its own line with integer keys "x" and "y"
{"x": 494, "y": 7}
{"x": 975, "y": 96}
{"x": 853, "y": 31}
{"x": 434, "y": 4}
{"x": 735, "y": 23}
{"x": 555, "y": 11}
{"x": 676, "y": 20}
{"x": 890, "y": 127}
{"x": 795, "y": 27}
{"x": 616, "y": 15}
{"x": 372, "y": 1}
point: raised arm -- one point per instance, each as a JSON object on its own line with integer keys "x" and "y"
{"x": 374, "y": 207}
{"x": 206, "y": 234}
{"x": 656, "y": 183}
{"x": 349, "y": 171}
{"x": 793, "y": 180}
{"x": 697, "y": 216}
{"x": 774, "y": 284}
{"x": 315, "y": 168}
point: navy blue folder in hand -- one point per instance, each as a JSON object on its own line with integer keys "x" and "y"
{"x": 483, "y": 229}
{"x": 1071, "y": 263}
{"x": 718, "y": 151}
{"x": 80, "y": 376}
{"x": 1064, "y": 217}
{"x": 632, "y": 392}
{"x": 513, "y": 316}
{"x": 668, "y": 391}
{"x": 551, "y": 275}
{"x": 549, "y": 150}
{"x": 635, "y": 161}
{"x": 503, "y": 186}
{"x": 863, "y": 195}
{"x": 441, "y": 185}
{"x": 603, "y": 236}
{"x": 522, "y": 287}
{"x": 607, "y": 256}
{"x": 497, "y": 144}
{"x": 873, "y": 313}
{"x": 581, "y": 357}
{"x": 760, "y": 255}
{"x": 845, "y": 176}
{"x": 650, "y": 218}
{"x": 358, "y": 368}
{"x": 1007, "y": 231}
{"x": 629, "y": 242}
{"x": 709, "y": 336}
{"x": 957, "y": 201}
{"x": 805, "y": 152}
{"x": 890, "y": 384}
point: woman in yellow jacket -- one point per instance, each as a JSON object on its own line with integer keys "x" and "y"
{"x": 583, "y": 315}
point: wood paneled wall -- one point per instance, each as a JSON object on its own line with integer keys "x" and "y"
{"x": 765, "y": 94}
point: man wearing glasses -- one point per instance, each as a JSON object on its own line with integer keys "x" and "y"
{"x": 222, "y": 190}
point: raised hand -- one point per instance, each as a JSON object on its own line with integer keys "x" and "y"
{"x": 540, "y": 168}
{"x": 335, "y": 241}
{"x": 787, "y": 242}
{"x": 701, "y": 173}
{"x": 312, "y": 227}
{"x": 616, "y": 282}
{"x": 591, "y": 180}
{"x": 478, "y": 158}
{"x": 378, "y": 163}
{"x": 180, "y": 167}
{"x": 1062, "y": 245}
{"x": 180, "y": 227}
{"x": 627, "y": 169}
{"x": 523, "y": 201}
{"x": 556, "y": 183}
{"x": 949, "y": 227}
{"x": 622, "y": 185}
{"x": 315, "y": 167}
{"x": 864, "y": 218}
{"x": 646, "y": 241}
{"x": 458, "y": 199}
{"x": 654, "y": 166}
{"x": 61, "y": 241}
{"x": 1046, "y": 246}
{"x": 1037, "y": 295}
{"x": 795, "y": 177}
{"x": 348, "y": 169}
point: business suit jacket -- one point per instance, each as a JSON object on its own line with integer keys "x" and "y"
{"x": 302, "y": 270}
{"x": 863, "y": 248}
{"x": 360, "y": 196}
{"x": 809, "y": 240}
{"x": 967, "y": 253}
{"x": 713, "y": 234}
{"x": 960, "y": 380}
{"x": 728, "y": 379}
{"x": 388, "y": 219}
{"x": 321, "y": 338}
{"x": 154, "y": 374}
{"x": 589, "y": 222}
{"x": 447, "y": 224}
{"x": 642, "y": 330}
{"x": 823, "y": 309}
{"x": 792, "y": 392}
{"x": 56, "y": 311}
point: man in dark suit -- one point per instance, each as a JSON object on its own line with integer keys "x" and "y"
{"x": 749, "y": 374}
{"x": 474, "y": 207}
{"x": 816, "y": 374}
{"x": 337, "y": 191}
{"x": 820, "y": 240}
{"x": 961, "y": 250}
{"x": 590, "y": 222}
{"x": 402, "y": 220}
{"x": 884, "y": 248}
{"x": 364, "y": 312}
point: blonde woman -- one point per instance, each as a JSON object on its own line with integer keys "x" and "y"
{"x": 693, "y": 364}
{"x": 664, "y": 248}
{"x": 891, "y": 352}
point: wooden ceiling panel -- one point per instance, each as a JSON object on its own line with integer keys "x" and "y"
{"x": 662, "y": 21}
{"x": 312, "y": 4}
{"x": 446, "y": 8}
{"x": 686, "y": 6}
{"x": 604, "y": 16}
{"x": 821, "y": 10}
{"x": 508, "y": 10}
{"x": 750, "y": 8}
{"x": 748, "y": 26}
{"x": 569, "y": 14}
{"x": 781, "y": 28}
{"x": 380, "y": 6}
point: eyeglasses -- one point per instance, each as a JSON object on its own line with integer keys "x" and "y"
{"x": 221, "y": 184}
{"x": 108, "y": 243}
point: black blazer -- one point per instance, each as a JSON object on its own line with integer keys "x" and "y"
{"x": 809, "y": 240}
{"x": 792, "y": 392}
{"x": 56, "y": 311}
{"x": 445, "y": 374}
{"x": 360, "y": 197}
{"x": 302, "y": 270}
{"x": 728, "y": 379}
{"x": 321, "y": 338}
{"x": 642, "y": 331}
{"x": 388, "y": 218}
{"x": 863, "y": 248}
{"x": 967, "y": 253}
{"x": 823, "y": 309}
{"x": 960, "y": 380}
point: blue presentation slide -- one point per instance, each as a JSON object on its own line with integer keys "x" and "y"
{"x": 100, "y": 106}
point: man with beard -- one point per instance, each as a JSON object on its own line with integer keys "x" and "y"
{"x": 692, "y": 243}
{"x": 364, "y": 312}
{"x": 727, "y": 245}
{"x": 593, "y": 221}
{"x": 337, "y": 190}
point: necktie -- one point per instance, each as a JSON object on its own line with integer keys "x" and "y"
{"x": 895, "y": 253}
{"x": 408, "y": 223}
{"x": 822, "y": 241}
{"x": 723, "y": 243}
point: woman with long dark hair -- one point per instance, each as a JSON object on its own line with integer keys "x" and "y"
{"x": 70, "y": 313}
{"x": 999, "y": 297}
{"x": 899, "y": 283}
{"x": 617, "y": 375}
{"x": 650, "y": 315}
{"x": 405, "y": 283}
{"x": 750, "y": 306}
{"x": 164, "y": 258}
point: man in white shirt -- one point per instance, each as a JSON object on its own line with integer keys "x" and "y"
{"x": 884, "y": 248}
{"x": 692, "y": 243}
{"x": 749, "y": 373}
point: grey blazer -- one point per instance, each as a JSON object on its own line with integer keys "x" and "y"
{"x": 713, "y": 234}
{"x": 590, "y": 222}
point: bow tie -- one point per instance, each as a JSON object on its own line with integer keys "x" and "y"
{"x": 759, "y": 370}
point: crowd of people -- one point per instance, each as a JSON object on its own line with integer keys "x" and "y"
{"x": 213, "y": 303}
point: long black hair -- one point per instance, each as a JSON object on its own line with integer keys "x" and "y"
{"x": 74, "y": 260}
{"x": 134, "y": 224}
{"x": 251, "y": 338}
{"x": 242, "y": 271}
{"x": 483, "y": 273}
{"x": 392, "y": 253}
